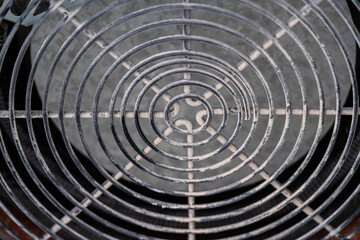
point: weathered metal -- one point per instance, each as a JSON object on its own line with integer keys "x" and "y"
{"x": 70, "y": 195}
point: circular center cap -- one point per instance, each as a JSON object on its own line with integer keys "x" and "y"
{"x": 188, "y": 113}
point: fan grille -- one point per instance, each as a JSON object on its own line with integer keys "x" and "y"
{"x": 180, "y": 119}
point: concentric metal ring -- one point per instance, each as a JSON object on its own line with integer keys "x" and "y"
{"x": 181, "y": 120}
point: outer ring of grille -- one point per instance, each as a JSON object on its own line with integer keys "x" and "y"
{"x": 69, "y": 205}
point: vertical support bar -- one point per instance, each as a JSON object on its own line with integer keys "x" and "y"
{"x": 191, "y": 200}
{"x": 187, "y": 44}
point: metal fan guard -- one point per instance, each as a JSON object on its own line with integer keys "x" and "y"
{"x": 193, "y": 120}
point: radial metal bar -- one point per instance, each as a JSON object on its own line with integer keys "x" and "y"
{"x": 106, "y": 185}
{"x": 191, "y": 200}
{"x": 190, "y": 138}
{"x": 72, "y": 114}
{"x": 345, "y": 111}
{"x": 276, "y": 184}
{"x": 187, "y": 46}
{"x": 113, "y": 53}
{"x": 305, "y": 10}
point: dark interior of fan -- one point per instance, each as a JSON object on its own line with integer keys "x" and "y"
{"x": 191, "y": 119}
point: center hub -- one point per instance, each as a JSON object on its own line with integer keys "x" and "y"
{"x": 188, "y": 113}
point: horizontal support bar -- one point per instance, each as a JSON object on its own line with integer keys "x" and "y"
{"x": 347, "y": 111}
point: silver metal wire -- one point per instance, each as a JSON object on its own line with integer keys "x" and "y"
{"x": 207, "y": 125}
